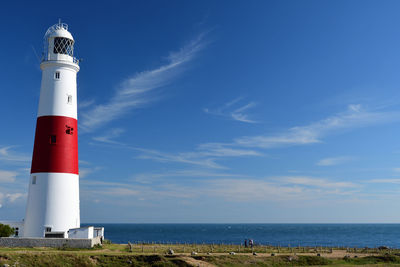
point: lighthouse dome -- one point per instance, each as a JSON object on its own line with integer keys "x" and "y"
{"x": 60, "y": 33}
{"x": 58, "y": 30}
{"x": 59, "y": 44}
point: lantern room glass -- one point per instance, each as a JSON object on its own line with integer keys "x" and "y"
{"x": 63, "y": 46}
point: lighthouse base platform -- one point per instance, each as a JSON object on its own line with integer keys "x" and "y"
{"x": 50, "y": 242}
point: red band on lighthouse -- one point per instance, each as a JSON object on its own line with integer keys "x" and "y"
{"x": 56, "y": 145}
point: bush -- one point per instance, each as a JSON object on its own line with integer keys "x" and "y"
{"x": 6, "y": 230}
{"x": 373, "y": 259}
{"x": 311, "y": 260}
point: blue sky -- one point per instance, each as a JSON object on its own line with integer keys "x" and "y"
{"x": 216, "y": 111}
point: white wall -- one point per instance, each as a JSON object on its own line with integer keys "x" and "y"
{"x": 98, "y": 231}
{"x": 85, "y": 232}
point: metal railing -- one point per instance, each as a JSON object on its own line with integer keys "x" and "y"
{"x": 74, "y": 60}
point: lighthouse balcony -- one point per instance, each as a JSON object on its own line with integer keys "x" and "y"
{"x": 74, "y": 60}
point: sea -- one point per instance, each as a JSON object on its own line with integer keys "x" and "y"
{"x": 331, "y": 235}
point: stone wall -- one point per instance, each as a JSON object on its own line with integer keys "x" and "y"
{"x": 49, "y": 242}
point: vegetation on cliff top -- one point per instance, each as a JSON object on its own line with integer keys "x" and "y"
{"x": 146, "y": 255}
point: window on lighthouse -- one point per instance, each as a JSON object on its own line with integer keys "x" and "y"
{"x": 69, "y": 130}
{"x": 57, "y": 75}
{"x": 53, "y": 139}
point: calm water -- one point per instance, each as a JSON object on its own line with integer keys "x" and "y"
{"x": 352, "y": 235}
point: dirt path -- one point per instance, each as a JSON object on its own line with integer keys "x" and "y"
{"x": 197, "y": 263}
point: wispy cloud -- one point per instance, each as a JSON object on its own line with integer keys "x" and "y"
{"x": 234, "y": 110}
{"x": 147, "y": 178}
{"x": 187, "y": 158}
{"x": 385, "y": 181}
{"x": 334, "y": 161}
{"x": 207, "y": 155}
{"x": 14, "y": 196}
{"x": 7, "y": 176}
{"x": 354, "y": 117}
{"x": 109, "y": 136}
{"x": 85, "y": 104}
{"x": 219, "y": 150}
{"x": 114, "y": 191}
{"x": 280, "y": 188}
{"x": 140, "y": 89}
{"x": 233, "y": 188}
{"x": 8, "y": 155}
{"x": 84, "y": 172}
{"x": 10, "y": 197}
{"x": 315, "y": 182}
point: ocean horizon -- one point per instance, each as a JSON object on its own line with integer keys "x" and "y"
{"x": 276, "y": 234}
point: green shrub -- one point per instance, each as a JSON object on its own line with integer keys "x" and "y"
{"x": 6, "y": 230}
{"x": 311, "y": 260}
{"x": 374, "y": 259}
{"x": 97, "y": 246}
{"x": 107, "y": 241}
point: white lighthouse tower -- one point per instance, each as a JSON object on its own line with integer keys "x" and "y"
{"x": 53, "y": 198}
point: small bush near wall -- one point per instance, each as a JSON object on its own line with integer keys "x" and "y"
{"x": 6, "y": 230}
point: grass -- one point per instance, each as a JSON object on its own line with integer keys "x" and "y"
{"x": 245, "y": 260}
{"x": 213, "y": 255}
{"x": 61, "y": 260}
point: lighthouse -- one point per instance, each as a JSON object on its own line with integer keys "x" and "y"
{"x": 53, "y": 197}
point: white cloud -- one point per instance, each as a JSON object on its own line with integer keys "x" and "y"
{"x": 109, "y": 136}
{"x": 334, "y": 161}
{"x": 7, "y": 176}
{"x": 83, "y": 172}
{"x": 115, "y": 191}
{"x": 384, "y": 181}
{"x": 147, "y": 178}
{"x": 139, "y": 90}
{"x": 253, "y": 190}
{"x": 8, "y": 155}
{"x": 121, "y": 191}
{"x": 187, "y": 158}
{"x": 316, "y": 182}
{"x": 85, "y": 104}
{"x": 230, "y": 187}
{"x": 83, "y": 162}
{"x": 10, "y": 197}
{"x": 219, "y": 150}
{"x": 14, "y": 196}
{"x": 205, "y": 155}
{"x": 233, "y": 110}
{"x": 354, "y": 117}
{"x": 278, "y": 189}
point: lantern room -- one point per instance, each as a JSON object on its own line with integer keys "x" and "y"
{"x": 59, "y": 44}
